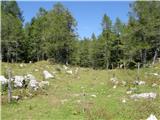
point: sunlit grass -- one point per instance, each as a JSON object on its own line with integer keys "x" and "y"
{"x": 69, "y": 97}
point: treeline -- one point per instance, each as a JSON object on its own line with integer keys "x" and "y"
{"x": 53, "y": 35}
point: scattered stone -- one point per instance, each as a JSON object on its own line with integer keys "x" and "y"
{"x": 21, "y": 65}
{"x": 152, "y": 117}
{"x": 3, "y": 80}
{"x": 18, "y": 81}
{"x": 123, "y": 100}
{"x": 129, "y": 92}
{"x": 36, "y": 70}
{"x": 63, "y": 101}
{"x": 47, "y": 75}
{"x": 15, "y": 98}
{"x": 113, "y": 79}
{"x": 139, "y": 82}
{"x": 33, "y": 84}
{"x": 69, "y": 72}
{"x": 156, "y": 74}
{"x": 65, "y": 67}
{"x": 78, "y": 101}
{"x": 76, "y": 70}
{"x": 144, "y": 95}
{"x": 30, "y": 77}
{"x": 114, "y": 86}
{"x": 42, "y": 84}
{"x": 154, "y": 85}
{"x": 93, "y": 96}
{"x": 54, "y": 72}
{"x": 124, "y": 83}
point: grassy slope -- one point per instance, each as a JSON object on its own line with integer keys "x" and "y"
{"x": 65, "y": 99}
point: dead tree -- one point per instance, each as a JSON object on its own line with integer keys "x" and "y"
{"x": 9, "y": 85}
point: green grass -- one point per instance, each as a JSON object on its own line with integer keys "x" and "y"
{"x": 65, "y": 100}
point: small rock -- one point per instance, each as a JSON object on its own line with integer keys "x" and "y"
{"x": 42, "y": 84}
{"x": 154, "y": 85}
{"x": 93, "y": 96}
{"x": 21, "y": 65}
{"x": 47, "y": 75}
{"x": 139, "y": 82}
{"x": 129, "y": 92}
{"x": 18, "y": 81}
{"x": 124, "y": 101}
{"x": 124, "y": 83}
{"x": 3, "y": 80}
{"x": 114, "y": 86}
{"x": 156, "y": 74}
{"x": 15, "y": 98}
{"x": 76, "y": 70}
{"x": 30, "y": 77}
{"x": 69, "y": 72}
{"x": 144, "y": 95}
{"x": 63, "y": 101}
{"x": 33, "y": 84}
{"x": 152, "y": 117}
{"x": 36, "y": 70}
{"x": 65, "y": 67}
{"x": 78, "y": 101}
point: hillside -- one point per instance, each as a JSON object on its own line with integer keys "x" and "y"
{"x": 85, "y": 94}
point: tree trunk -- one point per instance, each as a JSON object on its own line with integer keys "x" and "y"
{"x": 9, "y": 86}
{"x": 155, "y": 56}
{"x": 145, "y": 56}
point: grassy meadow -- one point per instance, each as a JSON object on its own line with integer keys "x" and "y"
{"x": 87, "y": 95}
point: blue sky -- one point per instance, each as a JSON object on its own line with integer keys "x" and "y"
{"x": 87, "y": 14}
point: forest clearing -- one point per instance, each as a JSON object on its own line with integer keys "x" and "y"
{"x": 59, "y": 61}
{"x": 87, "y": 94}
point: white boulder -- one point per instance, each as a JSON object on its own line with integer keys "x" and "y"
{"x": 15, "y": 98}
{"x": 93, "y": 96}
{"x": 21, "y": 65}
{"x": 114, "y": 80}
{"x": 154, "y": 85}
{"x": 3, "y": 80}
{"x": 36, "y": 70}
{"x": 69, "y": 72}
{"x": 152, "y": 117}
{"x": 18, "y": 81}
{"x": 140, "y": 82}
{"x": 33, "y": 84}
{"x": 65, "y": 67}
{"x": 47, "y": 75}
{"x": 30, "y": 77}
{"x": 76, "y": 70}
{"x": 43, "y": 84}
{"x": 123, "y": 100}
{"x": 114, "y": 87}
{"x": 129, "y": 92}
{"x": 144, "y": 95}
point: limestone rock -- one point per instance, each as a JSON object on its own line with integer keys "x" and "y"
{"x": 18, "y": 81}
{"x": 69, "y": 72}
{"x": 47, "y": 75}
{"x": 150, "y": 95}
{"x": 3, "y": 80}
{"x": 152, "y": 117}
{"x": 42, "y": 84}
